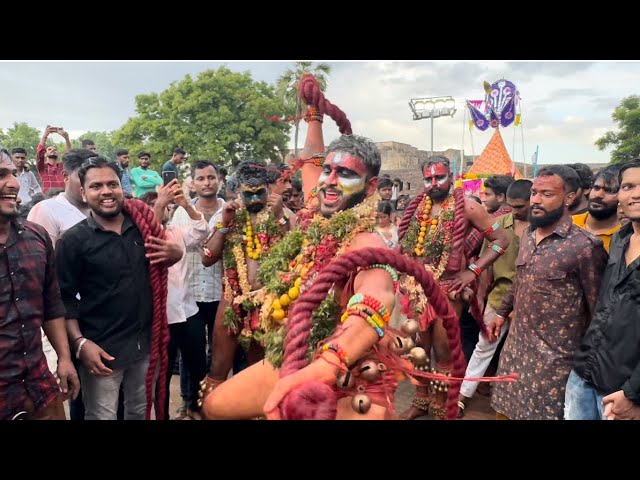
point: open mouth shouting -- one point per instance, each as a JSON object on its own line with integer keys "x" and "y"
{"x": 11, "y": 198}
{"x": 331, "y": 197}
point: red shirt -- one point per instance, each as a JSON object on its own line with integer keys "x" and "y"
{"x": 29, "y": 296}
{"x": 51, "y": 175}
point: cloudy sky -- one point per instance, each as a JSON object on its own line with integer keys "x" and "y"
{"x": 566, "y": 106}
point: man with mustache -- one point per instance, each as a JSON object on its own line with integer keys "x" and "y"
{"x": 602, "y": 217}
{"x": 29, "y": 300}
{"x": 47, "y": 160}
{"x": 106, "y": 260}
{"x": 558, "y": 274}
{"x": 429, "y": 238}
{"x": 347, "y": 177}
{"x": 144, "y": 178}
{"x": 605, "y": 381}
{"x": 259, "y": 216}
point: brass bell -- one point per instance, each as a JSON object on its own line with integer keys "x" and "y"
{"x": 418, "y": 356}
{"x": 410, "y": 327}
{"x": 409, "y": 344}
{"x": 345, "y": 380}
{"x": 369, "y": 371}
{"x": 398, "y": 345}
{"x": 361, "y": 403}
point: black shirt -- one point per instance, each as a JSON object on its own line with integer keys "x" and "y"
{"x": 111, "y": 274}
{"x": 609, "y": 356}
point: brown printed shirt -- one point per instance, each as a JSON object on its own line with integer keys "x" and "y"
{"x": 553, "y": 298}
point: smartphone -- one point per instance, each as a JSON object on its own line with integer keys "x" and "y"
{"x": 167, "y": 176}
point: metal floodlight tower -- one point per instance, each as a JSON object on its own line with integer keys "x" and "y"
{"x": 432, "y": 107}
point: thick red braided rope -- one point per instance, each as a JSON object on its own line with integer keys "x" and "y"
{"x": 408, "y": 215}
{"x": 300, "y": 323}
{"x": 460, "y": 230}
{"x": 144, "y": 218}
{"x": 310, "y": 92}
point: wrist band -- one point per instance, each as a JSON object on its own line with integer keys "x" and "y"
{"x": 491, "y": 229}
{"x": 84, "y": 340}
{"x": 283, "y": 221}
{"x": 475, "y": 269}
{"x": 496, "y": 248}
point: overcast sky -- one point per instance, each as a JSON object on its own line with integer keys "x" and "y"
{"x": 566, "y": 106}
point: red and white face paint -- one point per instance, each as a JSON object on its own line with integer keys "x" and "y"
{"x": 343, "y": 181}
{"x": 436, "y": 180}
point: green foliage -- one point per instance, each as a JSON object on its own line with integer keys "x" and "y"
{"x": 287, "y": 90}
{"x": 222, "y": 115}
{"x": 278, "y": 261}
{"x": 104, "y": 143}
{"x": 626, "y": 141}
{"x": 324, "y": 320}
{"x": 21, "y": 135}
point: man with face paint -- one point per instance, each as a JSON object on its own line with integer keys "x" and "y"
{"x": 435, "y": 226}
{"x": 345, "y": 178}
{"x": 602, "y": 217}
{"x": 248, "y": 227}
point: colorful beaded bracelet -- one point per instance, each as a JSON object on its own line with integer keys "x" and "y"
{"x": 337, "y": 349}
{"x": 380, "y": 309}
{"x": 390, "y": 270}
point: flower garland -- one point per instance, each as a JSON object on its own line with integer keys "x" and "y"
{"x": 238, "y": 242}
{"x": 292, "y": 267}
{"x": 430, "y": 241}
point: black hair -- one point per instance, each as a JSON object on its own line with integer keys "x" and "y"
{"x": 385, "y": 207}
{"x": 520, "y": 189}
{"x": 251, "y": 173}
{"x": 86, "y": 142}
{"x": 360, "y": 147}
{"x": 122, "y": 151}
{"x": 74, "y": 158}
{"x": 148, "y": 197}
{"x": 296, "y": 184}
{"x": 633, "y": 163}
{"x": 585, "y": 174}
{"x": 200, "y": 164}
{"x": 609, "y": 173}
{"x": 385, "y": 183}
{"x": 97, "y": 162}
{"x": 143, "y": 153}
{"x": 18, "y": 150}
{"x": 498, "y": 183}
{"x": 568, "y": 175}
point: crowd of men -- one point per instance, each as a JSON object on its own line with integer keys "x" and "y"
{"x": 558, "y": 299}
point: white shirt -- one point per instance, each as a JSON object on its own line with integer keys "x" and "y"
{"x": 56, "y": 215}
{"x": 181, "y": 301}
{"x": 205, "y": 282}
{"x": 28, "y": 186}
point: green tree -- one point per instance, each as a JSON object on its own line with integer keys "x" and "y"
{"x": 21, "y": 135}
{"x": 287, "y": 88}
{"x": 222, "y": 115}
{"x": 103, "y": 141}
{"x": 626, "y": 141}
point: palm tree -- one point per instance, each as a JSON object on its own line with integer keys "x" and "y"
{"x": 287, "y": 88}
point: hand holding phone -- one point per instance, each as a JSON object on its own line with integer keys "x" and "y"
{"x": 168, "y": 176}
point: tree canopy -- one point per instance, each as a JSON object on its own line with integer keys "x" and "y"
{"x": 626, "y": 141}
{"x": 287, "y": 88}
{"x": 222, "y": 116}
{"x": 21, "y": 135}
